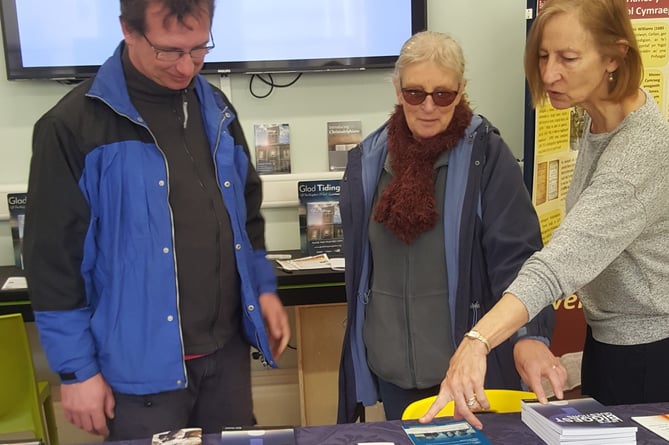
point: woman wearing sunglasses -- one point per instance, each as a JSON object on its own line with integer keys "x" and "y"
{"x": 437, "y": 222}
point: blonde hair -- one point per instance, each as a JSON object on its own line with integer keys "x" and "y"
{"x": 609, "y": 24}
{"x": 430, "y": 46}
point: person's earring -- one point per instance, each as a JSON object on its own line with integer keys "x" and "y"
{"x": 610, "y": 76}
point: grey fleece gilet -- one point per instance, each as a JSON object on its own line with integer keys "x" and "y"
{"x": 407, "y": 328}
{"x": 613, "y": 245}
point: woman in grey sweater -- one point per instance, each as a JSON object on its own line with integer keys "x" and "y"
{"x": 613, "y": 246}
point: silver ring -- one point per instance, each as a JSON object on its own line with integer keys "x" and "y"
{"x": 471, "y": 401}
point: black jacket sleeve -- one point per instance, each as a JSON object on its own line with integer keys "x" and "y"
{"x": 255, "y": 222}
{"x": 57, "y": 218}
{"x": 510, "y": 228}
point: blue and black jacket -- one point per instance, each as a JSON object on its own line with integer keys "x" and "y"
{"x": 99, "y": 236}
{"x": 490, "y": 229}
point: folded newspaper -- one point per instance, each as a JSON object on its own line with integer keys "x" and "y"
{"x": 320, "y": 261}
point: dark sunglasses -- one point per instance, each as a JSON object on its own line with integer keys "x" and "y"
{"x": 441, "y": 98}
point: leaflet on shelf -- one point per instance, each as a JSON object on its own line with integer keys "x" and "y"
{"x": 320, "y": 220}
{"x": 272, "y": 144}
{"x": 342, "y": 136}
{"x": 16, "y": 202}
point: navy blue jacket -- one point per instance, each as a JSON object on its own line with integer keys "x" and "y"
{"x": 490, "y": 220}
{"x": 99, "y": 240}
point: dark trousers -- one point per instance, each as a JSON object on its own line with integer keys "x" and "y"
{"x": 218, "y": 395}
{"x": 620, "y": 375}
{"x": 396, "y": 399}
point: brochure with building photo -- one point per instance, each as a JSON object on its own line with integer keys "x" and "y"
{"x": 320, "y": 220}
{"x": 272, "y": 143}
{"x": 16, "y": 202}
{"x": 342, "y": 136}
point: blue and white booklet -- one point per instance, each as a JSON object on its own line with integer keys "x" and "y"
{"x": 451, "y": 432}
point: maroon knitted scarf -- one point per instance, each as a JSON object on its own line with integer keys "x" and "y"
{"x": 408, "y": 206}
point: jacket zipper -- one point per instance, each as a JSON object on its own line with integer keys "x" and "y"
{"x": 407, "y": 317}
{"x": 138, "y": 121}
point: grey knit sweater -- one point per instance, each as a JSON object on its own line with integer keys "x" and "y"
{"x": 613, "y": 245}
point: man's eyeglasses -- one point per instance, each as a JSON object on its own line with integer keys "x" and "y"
{"x": 441, "y": 98}
{"x": 172, "y": 55}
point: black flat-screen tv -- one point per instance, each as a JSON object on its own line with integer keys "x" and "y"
{"x": 69, "y": 39}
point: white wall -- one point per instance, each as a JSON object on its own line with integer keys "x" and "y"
{"x": 491, "y": 32}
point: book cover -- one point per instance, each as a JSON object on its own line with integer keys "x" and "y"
{"x": 184, "y": 436}
{"x": 272, "y": 143}
{"x": 16, "y": 202}
{"x": 320, "y": 220}
{"x": 658, "y": 424}
{"x": 453, "y": 432}
{"x": 577, "y": 419}
{"x": 342, "y": 136}
{"x": 258, "y": 436}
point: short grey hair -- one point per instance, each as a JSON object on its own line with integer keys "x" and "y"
{"x": 431, "y": 46}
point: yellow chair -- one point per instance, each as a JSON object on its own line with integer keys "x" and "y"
{"x": 501, "y": 401}
{"x": 25, "y": 404}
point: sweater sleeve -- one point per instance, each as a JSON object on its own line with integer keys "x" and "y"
{"x": 607, "y": 217}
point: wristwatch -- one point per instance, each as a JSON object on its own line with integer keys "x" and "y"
{"x": 476, "y": 335}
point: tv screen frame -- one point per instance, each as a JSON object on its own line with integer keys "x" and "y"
{"x": 214, "y": 63}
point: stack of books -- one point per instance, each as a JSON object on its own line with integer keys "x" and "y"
{"x": 582, "y": 421}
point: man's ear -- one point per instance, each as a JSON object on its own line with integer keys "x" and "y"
{"x": 129, "y": 35}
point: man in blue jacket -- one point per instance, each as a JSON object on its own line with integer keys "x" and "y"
{"x": 144, "y": 243}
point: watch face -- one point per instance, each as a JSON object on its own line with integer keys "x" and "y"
{"x": 477, "y": 336}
